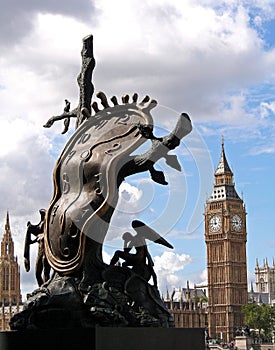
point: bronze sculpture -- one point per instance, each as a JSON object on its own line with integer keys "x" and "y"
{"x": 87, "y": 176}
{"x": 141, "y": 262}
{"x": 42, "y": 265}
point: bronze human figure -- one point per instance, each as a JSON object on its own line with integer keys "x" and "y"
{"x": 42, "y": 265}
{"x": 141, "y": 261}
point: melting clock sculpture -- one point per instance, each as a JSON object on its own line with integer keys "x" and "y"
{"x": 83, "y": 290}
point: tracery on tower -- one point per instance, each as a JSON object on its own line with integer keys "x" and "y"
{"x": 10, "y": 295}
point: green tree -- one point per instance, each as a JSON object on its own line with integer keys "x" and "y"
{"x": 259, "y": 317}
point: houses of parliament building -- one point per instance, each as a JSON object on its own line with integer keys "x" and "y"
{"x": 10, "y": 295}
{"x": 220, "y": 309}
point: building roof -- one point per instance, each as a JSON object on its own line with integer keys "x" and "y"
{"x": 182, "y": 293}
{"x": 224, "y": 187}
{"x": 259, "y": 298}
{"x": 223, "y": 166}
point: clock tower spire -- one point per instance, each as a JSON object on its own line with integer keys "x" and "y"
{"x": 225, "y": 237}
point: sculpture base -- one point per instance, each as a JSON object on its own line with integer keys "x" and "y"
{"x": 121, "y": 299}
{"x": 243, "y": 342}
{"x": 102, "y": 338}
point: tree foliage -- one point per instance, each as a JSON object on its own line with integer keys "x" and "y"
{"x": 259, "y": 317}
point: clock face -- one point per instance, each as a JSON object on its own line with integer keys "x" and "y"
{"x": 237, "y": 223}
{"x": 215, "y": 223}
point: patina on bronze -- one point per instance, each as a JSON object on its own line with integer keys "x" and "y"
{"x": 42, "y": 266}
{"x": 140, "y": 261}
{"x": 87, "y": 176}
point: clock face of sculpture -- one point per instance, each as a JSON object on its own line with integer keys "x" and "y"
{"x": 237, "y": 223}
{"x": 215, "y": 223}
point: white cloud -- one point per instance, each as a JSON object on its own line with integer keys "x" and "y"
{"x": 211, "y": 49}
{"x": 17, "y": 17}
{"x": 106, "y": 257}
{"x": 167, "y": 266}
{"x": 170, "y": 262}
{"x": 127, "y": 210}
{"x": 202, "y": 279}
{"x": 267, "y": 109}
{"x": 128, "y": 194}
{"x": 25, "y": 177}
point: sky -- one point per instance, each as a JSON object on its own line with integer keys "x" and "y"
{"x": 214, "y": 62}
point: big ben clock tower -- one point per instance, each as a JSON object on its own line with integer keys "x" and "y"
{"x": 225, "y": 237}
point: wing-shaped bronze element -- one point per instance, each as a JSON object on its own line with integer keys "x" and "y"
{"x": 147, "y": 232}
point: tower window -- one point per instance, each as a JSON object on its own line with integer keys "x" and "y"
{"x": 6, "y": 279}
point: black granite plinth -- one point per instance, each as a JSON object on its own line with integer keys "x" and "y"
{"x": 106, "y": 338}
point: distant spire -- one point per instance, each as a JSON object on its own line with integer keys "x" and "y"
{"x": 223, "y": 167}
{"x": 195, "y": 291}
{"x": 7, "y": 246}
{"x": 173, "y": 294}
{"x": 181, "y": 300}
{"x": 7, "y": 225}
{"x": 167, "y": 294}
{"x": 273, "y": 262}
{"x": 252, "y": 289}
{"x": 257, "y": 262}
{"x": 224, "y": 187}
{"x": 187, "y": 293}
{"x": 195, "y": 297}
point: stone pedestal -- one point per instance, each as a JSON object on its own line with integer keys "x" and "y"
{"x": 105, "y": 339}
{"x": 243, "y": 342}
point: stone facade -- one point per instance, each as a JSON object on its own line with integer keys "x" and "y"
{"x": 265, "y": 278}
{"x": 188, "y": 307}
{"x": 10, "y": 295}
{"x": 225, "y": 237}
{"x": 264, "y": 293}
